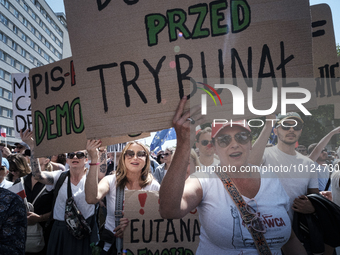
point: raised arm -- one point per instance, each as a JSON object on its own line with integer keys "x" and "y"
{"x": 256, "y": 154}
{"x": 322, "y": 144}
{"x": 94, "y": 192}
{"x": 41, "y": 176}
{"x": 103, "y": 163}
{"x": 177, "y": 196}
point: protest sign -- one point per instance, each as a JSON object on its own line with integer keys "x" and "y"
{"x": 21, "y": 103}
{"x": 57, "y": 111}
{"x": 148, "y": 233}
{"x": 135, "y": 59}
{"x": 337, "y": 105}
{"x": 326, "y": 64}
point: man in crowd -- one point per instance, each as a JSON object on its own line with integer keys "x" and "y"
{"x": 302, "y": 149}
{"x": 319, "y": 154}
{"x": 20, "y": 147}
{"x": 205, "y": 147}
{"x": 288, "y": 129}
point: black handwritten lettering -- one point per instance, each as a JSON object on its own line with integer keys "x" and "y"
{"x": 155, "y": 76}
{"x": 102, "y": 80}
{"x": 132, "y": 82}
{"x": 61, "y": 79}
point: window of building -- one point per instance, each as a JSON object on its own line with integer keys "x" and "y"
{"x": 2, "y": 55}
{"x": 16, "y": 13}
{"x": 31, "y": 58}
{"x": 14, "y": 45}
{"x": 7, "y": 95}
{"x": 3, "y": 19}
{"x": 2, "y": 74}
{"x": 3, "y": 38}
{"x": 23, "y": 53}
{"x": 15, "y": 29}
{"x": 23, "y": 37}
{"x": 47, "y": 57}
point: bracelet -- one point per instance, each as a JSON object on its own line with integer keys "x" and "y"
{"x": 94, "y": 164}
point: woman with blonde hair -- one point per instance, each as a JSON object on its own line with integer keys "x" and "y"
{"x": 133, "y": 173}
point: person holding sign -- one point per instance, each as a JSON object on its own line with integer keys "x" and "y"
{"x": 62, "y": 239}
{"x": 133, "y": 173}
{"x": 240, "y": 212}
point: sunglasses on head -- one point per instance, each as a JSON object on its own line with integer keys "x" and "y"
{"x": 298, "y": 127}
{"x": 205, "y": 142}
{"x": 78, "y": 154}
{"x": 241, "y": 137}
{"x": 131, "y": 154}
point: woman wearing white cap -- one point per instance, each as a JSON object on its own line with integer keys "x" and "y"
{"x": 244, "y": 214}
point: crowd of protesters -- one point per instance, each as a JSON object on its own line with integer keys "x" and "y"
{"x": 297, "y": 198}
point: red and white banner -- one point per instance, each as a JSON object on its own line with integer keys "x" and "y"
{"x": 3, "y": 132}
{"x": 18, "y": 189}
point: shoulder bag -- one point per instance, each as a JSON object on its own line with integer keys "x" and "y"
{"x": 35, "y": 235}
{"x": 75, "y": 221}
{"x": 258, "y": 237}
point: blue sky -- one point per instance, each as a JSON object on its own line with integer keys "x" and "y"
{"x": 58, "y": 6}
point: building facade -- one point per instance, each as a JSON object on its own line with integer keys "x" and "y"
{"x": 31, "y": 35}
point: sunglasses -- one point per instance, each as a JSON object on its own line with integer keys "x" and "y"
{"x": 298, "y": 127}
{"x": 324, "y": 150}
{"x": 205, "y": 142}
{"x": 78, "y": 154}
{"x": 241, "y": 137}
{"x": 131, "y": 154}
{"x": 255, "y": 223}
{"x": 166, "y": 154}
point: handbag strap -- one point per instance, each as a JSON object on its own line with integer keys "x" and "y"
{"x": 258, "y": 237}
{"x": 119, "y": 215}
{"x": 328, "y": 183}
{"x": 57, "y": 187}
{"x": 69, "y": 190}
{"x": 37, "y": 196}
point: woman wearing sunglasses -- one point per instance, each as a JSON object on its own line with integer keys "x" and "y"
{"x": 161, "y": 170}
{"x": 224, "y": 230}
{"x": 133, "y": 173}
{"x": 61, "y": 241}
{"x": 18, "y": 167}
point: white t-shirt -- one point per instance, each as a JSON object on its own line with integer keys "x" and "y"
{"x": 323, "y": 176}
{"x": 293, "y": 181}
{"x": 215, "y": 162}
{"x": 222, "y": 228}
{"x": 110, "y": 223}
{"x": 6, "y": 184}
{"x": 78, "y": 193}
{"x": 336, "y": 187}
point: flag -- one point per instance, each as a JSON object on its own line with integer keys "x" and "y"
{"x": 160, "y": 137}
{"x": 272, "y": 137}
{"x": 3, "y": 132}
{"x": 18, "y": 189}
